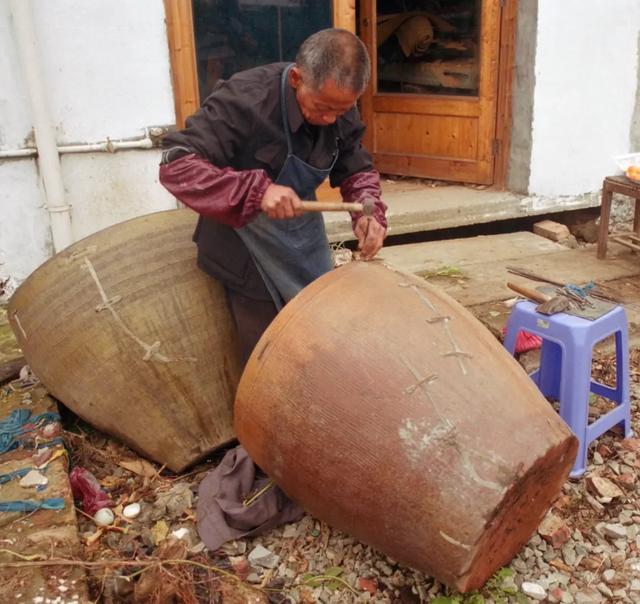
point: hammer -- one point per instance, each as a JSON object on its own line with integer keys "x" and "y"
{"x": 325, "y": 206}
{"x": 546, "y": 304}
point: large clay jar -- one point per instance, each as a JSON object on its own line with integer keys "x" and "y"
{"x": 125, "y": 330}
{"x": 386, "y": 409}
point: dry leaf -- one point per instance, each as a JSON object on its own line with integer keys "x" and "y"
{"x": 160, "y": 531}
{"x": 138, "y": 466}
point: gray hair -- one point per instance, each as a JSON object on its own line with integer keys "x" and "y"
{"x": 337, "y": 54}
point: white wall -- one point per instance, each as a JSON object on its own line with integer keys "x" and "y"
{"x": 586, "y": 81}
{"x": 106, "y": 70}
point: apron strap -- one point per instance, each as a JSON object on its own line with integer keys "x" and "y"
{"x": 283, "y": 108}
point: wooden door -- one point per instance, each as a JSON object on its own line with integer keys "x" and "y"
{"x": 432, "y": 117}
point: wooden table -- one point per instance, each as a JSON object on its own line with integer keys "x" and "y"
{"x": 623, "y": 186}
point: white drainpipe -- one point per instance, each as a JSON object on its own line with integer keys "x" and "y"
{"x": 48, "y": 158}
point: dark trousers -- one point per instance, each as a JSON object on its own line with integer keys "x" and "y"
{"x": 252, "y": 317}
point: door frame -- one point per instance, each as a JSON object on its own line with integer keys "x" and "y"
{"x": 179, "y": 21}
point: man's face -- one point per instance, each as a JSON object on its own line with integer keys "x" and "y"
{"x": 321, "y": 107}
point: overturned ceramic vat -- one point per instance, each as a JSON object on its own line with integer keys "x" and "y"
{"x": 386, "y": 409}
{"x": 125, "y": 330}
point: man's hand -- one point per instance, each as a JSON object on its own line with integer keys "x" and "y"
{"x": 280, "y": 202}
{"x": 370, "y": 234}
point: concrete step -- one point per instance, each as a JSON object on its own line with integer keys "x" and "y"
{"x": 415, "y": 207}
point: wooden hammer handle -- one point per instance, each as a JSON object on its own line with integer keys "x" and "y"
{"x": 326, "y": 206}
{"x": 532, "y": 294}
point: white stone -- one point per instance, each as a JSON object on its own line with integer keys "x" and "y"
{"x": 533, "y": 590}
{"x": 131, "y": 511}
{"x": 103, "y": 517}
{"x": 33, "y": 478}
{"x": 261, "y": 556}
{"x": 615, "y": 531}
{"x": 180, "y": 533}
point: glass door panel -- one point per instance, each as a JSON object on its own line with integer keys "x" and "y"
{"x": 428, "y": 46}
{"x": 233, "y": 35}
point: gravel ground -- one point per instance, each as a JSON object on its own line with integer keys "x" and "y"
{"x": 585, "y": 551}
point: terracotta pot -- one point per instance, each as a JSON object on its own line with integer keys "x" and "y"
{"x": 125, "y": 330}
{"x": 387, "y": 410}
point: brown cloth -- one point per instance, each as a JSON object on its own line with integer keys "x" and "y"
{"x": 221, "y": 514}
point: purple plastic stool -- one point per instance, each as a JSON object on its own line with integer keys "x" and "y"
{"x": 565, "y": 369}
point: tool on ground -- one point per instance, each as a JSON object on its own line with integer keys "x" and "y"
{"x": 595, "y": 290}
{"x": 342, "y": 206}
{"x": 546, "y": 304}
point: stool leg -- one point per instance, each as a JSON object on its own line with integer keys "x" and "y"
{"x": 622, "y": 379}
{"x": 574, "y": 402}
{"x": 636, "y": 217}
{"x": 510, "y": 336}
{"x": 605, "y": 211}
{"x": 548, "y": 377}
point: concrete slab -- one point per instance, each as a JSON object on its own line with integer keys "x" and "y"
{"x": 415, "y": 206}
{"x": 473, "y": 270}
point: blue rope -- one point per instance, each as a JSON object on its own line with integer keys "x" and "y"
{"x": 14, "y": 426}
{"x": 4, "y": 478}
{"x": 15, "y": 421}
{"x": 31, "y": 505}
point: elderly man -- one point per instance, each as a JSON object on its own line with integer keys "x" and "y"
{"x": 262, "y": 141}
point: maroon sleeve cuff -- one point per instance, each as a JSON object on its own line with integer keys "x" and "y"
{"x": 232, "y": 197}
{"x": 364, "y": 186}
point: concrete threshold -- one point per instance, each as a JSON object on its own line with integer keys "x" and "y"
{"x": 416, "y": 206}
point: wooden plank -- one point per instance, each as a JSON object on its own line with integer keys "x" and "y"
{"x": 344, "y": 14}
{"x": 436, "y": 167}
{"x": 442, "y": 105}
{"x": 434, "y": 136}
{"x": 182, "y": 52}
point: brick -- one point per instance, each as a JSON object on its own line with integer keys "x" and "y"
{"x": 551, "y": 230}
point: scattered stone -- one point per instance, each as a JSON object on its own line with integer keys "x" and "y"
{"x": 103, "y": 517}
{"x": 594, "y": 503}
{"x": 604, "y": 589}
{"x": 551, "y": 230}
{"x": 240, "y": 566}
{"x": 615, "y": 531}
{"x": 131, "y": 511}
{"x": 588, "y": 597}
{"x": 33, "y": 478}
{"x": 554, "y": 530}
{"x": 368, "y": 585}
{"x": 533, "y": 590}
{"x": 603, "y": 487}
{"x": 261, "y": 556}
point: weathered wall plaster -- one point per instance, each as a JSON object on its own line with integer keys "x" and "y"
{"x": 586, "y": 72}
{"x": 635, "y": 122}
{"x": 107, "y": 73}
